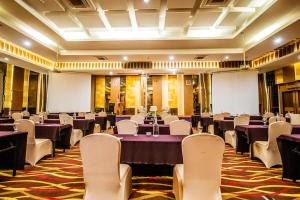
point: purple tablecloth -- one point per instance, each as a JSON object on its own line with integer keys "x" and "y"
{"x": 120, "y": 117}
{"x": 186, "y": 118}
{"x": 6, "y": 120}
{"x": 150, "y": 121}
{"x": 19, "y": 139}
{"x": 143, "y": 128}
{"x": 289, "y": 148}
{"x": 142, "y": 149}
{"x": 248, "y": 134}
{"x": 86, "y": 125}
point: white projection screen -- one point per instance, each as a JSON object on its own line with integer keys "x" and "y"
{"x": 69, "y": 92}
{"x": 235, "y": 92}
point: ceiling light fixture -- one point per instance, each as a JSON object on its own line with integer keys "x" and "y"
{"x": 146, "y": 1}
{"x": 27, "y": 43}
{"x": 125, "y": 58}
{"x": 171, "y": 57}
{"x": 6, "y": 58}
{"x": 226, "y": 57}
{"x": 278, "y": 40}
{"x": 110, "y": 72}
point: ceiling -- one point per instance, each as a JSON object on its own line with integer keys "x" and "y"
{"x": 112, "y": 29}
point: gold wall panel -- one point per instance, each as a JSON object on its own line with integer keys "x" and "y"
{"x": 297, "y": 71}
{"x": 188, "y": 95}
{"x": 172, "y": 91}
{"x": 25, "y": 88}
{"x": 157, "y": 91}
{"x": 131, "y": 95}
{"x": 100, "y": 92}
{"x": 8, "y": 86}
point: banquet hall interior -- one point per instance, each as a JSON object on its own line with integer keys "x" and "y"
{"x": 150, "y": 99}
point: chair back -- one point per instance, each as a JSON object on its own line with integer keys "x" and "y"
{"x": 244, "y": 115}
{"x": 275, "y": 130}
{"x": 205, "y": 114}
{"x": 295, "y": 119}
{"x": 237, "y": 121}
{"x": 65, "y": 119}
{"x": 25, "y": 113}
{"x": 127, "y": 127}
{"x": 27, "y": 126}
{"x": 100, "y": 155}
{"x": 226, "y": 114}
{"x": 35, "y": 118}
{"x": 180, "y": 127}
{"x": 276, "y": 119}
{"x": 139, "y": 119}
{"x": 17, "y": 116}
{"x": 153, "y": 108}
{"x": 43, "y": 114}
{"x": 89, "y": 115}
{"x": 163, "y": 114}
{"x": 202, "y": 173}
{"x": 268, "y": 115}
{"x": 168, "y": 119}
{"x": 81, "y": 114}
{"x": 102, "y": 114}
{"x": 218, "y": 117}
{"x": 166, "y": 109}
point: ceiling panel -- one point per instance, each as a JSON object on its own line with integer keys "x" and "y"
{"x": 152, "y": 4}
{"x": 243, "y": 3}
{"x": 234, "y": 19}
{"x": 62, "y": 20}
{"x": 113, "y": 5}
{"x": 90, "y": 20}
{"x": 206, "y": 18}
{"x": 118, "y": 19}
{"x": 147, "y": 19}
{"x": 176, "y": 19}
{"x": 45, "y": 5}
{"x": 181, "y": 4}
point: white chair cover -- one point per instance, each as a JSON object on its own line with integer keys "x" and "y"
{"x": 267, "y": 151}
{"x": 25, "y": 113}
{"x": 199, "y": 177}
{"x": 295, "y": 119}
{"x": 81, "y": 114}
{"x": 127, "y": 127}
{"x": 36, "y": 148}
{"x": 163, "y": 114}
{"x": 168, "y": 119}
{"x": 276, "y": 118}
{"x": 268, "y": 115}
{"x": 226, "y": 114}
{"x": 230, "y": 135}
{"x": 105, "y": 178}
{"x": 17, "y": 116}
{"x": 76, "y": 134}
{"x": 180, "y": 127}
{"x": 139, "y": 119}
{"x": 153, "y": 108}
{"x": 102, "y": 114}
{"x": 35, "y": 118}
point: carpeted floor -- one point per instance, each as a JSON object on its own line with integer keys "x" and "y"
{"x": 61, "y": 178}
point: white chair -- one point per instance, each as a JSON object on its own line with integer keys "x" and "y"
{"x": 35, "y": 118}
{"x": 81, "y": 114}
{"x": 230, "y": 135}
{"x": 153, "y": 108}
{"x": 76, "y": 134}
{"x": 226, "y": 114}
{"x": 205, "y": 114}
{"x": 268, "y": 115}
{"x": 215, "y": 117}
{"x": 127, "y": 127}
{"x": 25, "y": 113}
{"x": 295, "y": 119}
{"x": 163, "y": 114}
{"x": 105, "y": 178}
{"x": 139, "y": 119}
{"x": 17, "y": 116}
{"x": 180, "y": 127}
{"x": 92, "y": 116}
{"x": 102, "y": 114}
{"x": 199, "y": 177}
{"x": 168, "y": 119}
{"x": 244, "y": 115}
{"x": 36, "y": 148}
{"x": 276, "y": 119}
{"x": 267, "y": 151}
{"x": 43, "y": 115}
{"x": 166, "y": 109}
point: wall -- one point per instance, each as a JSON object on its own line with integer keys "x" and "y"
{"x": 157, "y": 91}
{"x": 17, "y": 89}
{"x": 188, "y": 95}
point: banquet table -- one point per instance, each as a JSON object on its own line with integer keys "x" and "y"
{"x": 142, "y": 149}
{"x": 6, "y": 120}
{"x": 248, "y": 134}
{"x": 86, "y": 125}
{"x": 112, "y": 119}
{"x": 18, "y": 139}
{"x": 102, "y": 120}
{"x": 144, "y": 128}
{"x": 151, "y": 121}
{"x": 289, "y": 148}
{"x": 59, "y": 134}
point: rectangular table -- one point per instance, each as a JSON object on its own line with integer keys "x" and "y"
{"x": 86, "y": 125}
{"x": 59, "y": 134}
{"x": 18, "y": 139}
{"x": 289, "y": 148}
{"x": 6, "y": 120}
{"x": 143, "y": 128}
{"x": 248, "y": 134}
{"x": 142, "y": 149}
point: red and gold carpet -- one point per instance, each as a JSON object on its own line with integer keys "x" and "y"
{"x": 61, "y": 178}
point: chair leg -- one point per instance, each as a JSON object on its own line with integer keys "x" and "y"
{"x": 14, "y": 161}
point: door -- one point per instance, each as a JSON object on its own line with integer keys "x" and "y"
{"x": 291, "y": 101}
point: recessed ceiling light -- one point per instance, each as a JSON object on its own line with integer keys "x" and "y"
{"x": 110, "y": 72}
{"x": 143, "y": 72}
{"x": 226, "y": 57}
{"x": 6, "y": 58}
{"x": 171, "y": 57}
{"x": 299, "y": 57}
{"x": 146, "y": 1}
{"x": 174, "y": 72}
{"x": 278, "y": 40}
{"x": 27, "y": 43}
{"x": 125, "y": 58}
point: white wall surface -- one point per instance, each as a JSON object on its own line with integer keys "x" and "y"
{"x": 69, "y": 92}
{"x": 235, "y": 92}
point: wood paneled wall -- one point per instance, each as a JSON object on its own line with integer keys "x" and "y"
{"x": 18, "y": 81}
{"x": 188, "y": 95}
{"x": 157, "y": 91}
{"x": 115, "y": 92}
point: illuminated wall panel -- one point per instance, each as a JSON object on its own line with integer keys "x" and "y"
{"x": 25, "y": 88}
{"x": 100, "y": 92}
{"x": 8, "y": 86}
{"x": 133, "y": 95}
{"x": 172, "y": 91}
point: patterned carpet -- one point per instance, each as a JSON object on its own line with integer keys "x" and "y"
{"x": 61, "y": 178}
